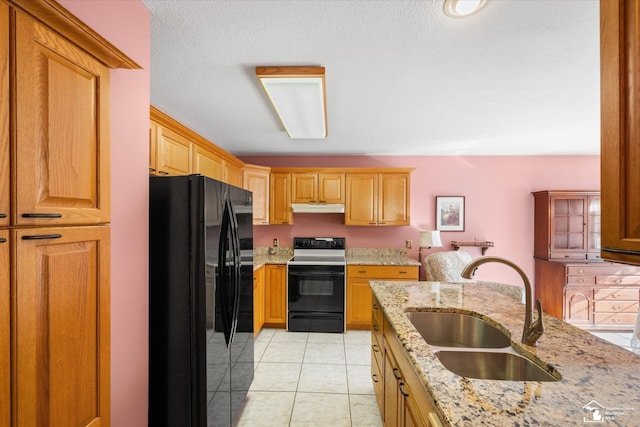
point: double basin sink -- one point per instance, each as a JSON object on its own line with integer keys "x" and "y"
{"x": 471, "y": 347}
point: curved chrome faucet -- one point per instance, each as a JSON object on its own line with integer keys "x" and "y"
{"x": 532, "y": 329}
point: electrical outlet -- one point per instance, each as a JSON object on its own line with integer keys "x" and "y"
{"x": 275, "y": 243}
{"x": 409, "y": 243}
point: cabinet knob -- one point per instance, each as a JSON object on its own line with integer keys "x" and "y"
{"x": 615, "y": 295}
{"x": 616, "y": 307}
{"x": 374, "y": 377}
{"x": 581, "y": 271}
{"x": 375, "y": 348}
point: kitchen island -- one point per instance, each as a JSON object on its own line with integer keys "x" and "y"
{"x": 594, "y": 373}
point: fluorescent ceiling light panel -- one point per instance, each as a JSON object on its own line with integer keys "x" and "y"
{"x": 298, "y": 96}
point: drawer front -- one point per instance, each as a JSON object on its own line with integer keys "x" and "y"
{"x": 603, "y": 270}
{"x": 383, "y": 272}
{"x": 615, "y": 319}
{"x": 616, "y": 294}
{"x": 618, "y": 280}
{"x": 616, "y": 306}
{"x": 581, "y": 280}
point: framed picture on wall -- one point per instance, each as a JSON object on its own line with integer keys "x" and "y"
{"x": 450, "y": 213}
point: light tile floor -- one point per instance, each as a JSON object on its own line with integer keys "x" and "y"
{"x": 311, "y": 379}
{"x": 621, "y": 339}
{"x": 316, "y": 379}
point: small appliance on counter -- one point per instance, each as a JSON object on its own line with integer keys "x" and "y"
{"x": 316, "y": 283}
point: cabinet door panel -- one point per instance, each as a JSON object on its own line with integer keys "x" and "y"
{"x": 62, "y": 320}
{"x": 578, "y": 305}
{"x": 207, "y": 164}
{"x": 257, "y": 181}
{"x": 276, "y": 295}
{"x": 304, "y": 187}
{"x": 5, "y": 300}
{"x": 4, "y": 116}
{"x": 62, "y": 130}
{"x": 331, "y": 188}
{"x": 359, "y": 300}
{"x": 173, "y": 153}
{"x": 620, "y": 147}
{"x": 280, "y": 199}
{"x": 393, "y": 203}
{"x": 362, "y": 202}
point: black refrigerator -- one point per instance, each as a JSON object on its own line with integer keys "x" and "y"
{"x": 200, "y": 301}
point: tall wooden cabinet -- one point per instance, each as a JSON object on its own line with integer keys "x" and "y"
{"x": 54, "y": 217}
{"x": 571, "y": 280}
{"x": 620, "y": 145}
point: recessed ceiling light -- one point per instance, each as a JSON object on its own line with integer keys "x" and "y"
{"x": 460, "y": 8}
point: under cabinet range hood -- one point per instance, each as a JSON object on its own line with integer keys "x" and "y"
{"x": 317, "y": 208}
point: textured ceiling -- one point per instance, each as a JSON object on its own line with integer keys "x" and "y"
{"x": 521, "y": 77}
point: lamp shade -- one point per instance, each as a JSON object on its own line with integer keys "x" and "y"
{"x": 430, "y": 239}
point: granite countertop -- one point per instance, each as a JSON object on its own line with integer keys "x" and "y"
{"x": 357, "y": 256}
{"x": 592, "y": 369}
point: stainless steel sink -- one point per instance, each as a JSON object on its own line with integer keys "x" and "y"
{"x": 442, "y": 329}
{"x": 494, "y": 365}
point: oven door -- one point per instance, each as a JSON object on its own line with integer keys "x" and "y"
{"x": 315, "y": 296}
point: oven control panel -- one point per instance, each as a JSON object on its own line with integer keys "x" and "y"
{"x": 319, "y": 243}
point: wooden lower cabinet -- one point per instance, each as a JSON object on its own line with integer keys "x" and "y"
{"x": 275, "y": 296}
{"x": 258, "y": 300}
{"x": 5, "y": 333}
{"x": 359, "y": 292}
{"x": 401, "y": 397}
{"x": 592, "y": 295}
{"x": 60, "y": 327}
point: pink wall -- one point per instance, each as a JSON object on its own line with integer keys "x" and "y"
{"x": 127, "y": 25}
{"x": 497, "y": 190}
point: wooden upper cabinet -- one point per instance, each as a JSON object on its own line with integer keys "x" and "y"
{"x": 280, "y": 198}
{"x": 153, "y": 137}
{"x": 620, "y": 145}
{"x": 361, "y": 206}
{"x": 233, "y": 175}
{"x": 567, "y": 225}
{"x": 310, "y": 187}
{"x": 61, "y": 146}
{"x": 5, "y": 332}
{"x": 393, "y": 199}
{"x": 377, "y": 199}
{"x": 304, "y": 187}
{"x": 331, "y": 188}
{"x": 4, "y": 117}
{"x": 61, "y": 321}
{"x": 256, "y": 180}
{"x": 173, "y": 153}
{"x": 208, "y": 164}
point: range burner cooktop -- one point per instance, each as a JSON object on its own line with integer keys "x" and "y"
{"x": 318, "y": 251}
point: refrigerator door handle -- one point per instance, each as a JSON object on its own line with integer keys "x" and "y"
{"x": 223, "y": 285}
{"x": 237, "y": 262}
